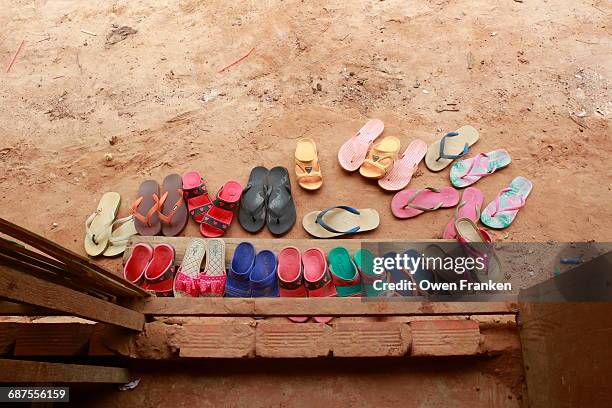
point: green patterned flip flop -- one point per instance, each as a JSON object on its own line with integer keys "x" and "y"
{"x": 500, "y": 212}
{"x": 466, "y": 172}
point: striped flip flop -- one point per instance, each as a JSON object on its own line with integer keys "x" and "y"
{"x": 401, "y": 173}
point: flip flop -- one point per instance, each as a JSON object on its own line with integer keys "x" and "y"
{"x": 263, "y": 275}
{"x": 381, "y": 158}
{"x": 451, "y": 146}
{"x": 364, "y": 259}
{"x": 173, "y": 212}
{"x": 412, "y": 202}
{"x": 500, "y": 212}
{"x": 252, "y": 213}
{"x": 353, "y": 152}
{"x": 466, "y": 172}
{"x": 145, "y": 209}
{"x": 135, "y": 266}
{"x": 291, "y": 277}
{"x": 340, "y": 220}
{"x": 98, "y": 226}
{"x": 186, "y": 280}
{"x": 317, "y": 279}
{"x": 281, "y": 208}
{"x": 477, "y": 242}
{"x": 469, "y": 207}
{"x": 344, "y": 273}
{"x": 307, "y": 167}
{"x": 243, "y": 260}
{"x": 196, "y": 195}
{"x": 120, "y": 236}
{"x": 218, "y": 219}
{"x": 401, "y": 173}
{"x": 211, "y": 282}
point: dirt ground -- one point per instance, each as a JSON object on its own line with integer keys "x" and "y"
{"x": 86, "y": 110}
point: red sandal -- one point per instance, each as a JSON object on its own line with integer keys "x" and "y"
{"x": 218, "y": 219}
{"x": 196, "y": 195}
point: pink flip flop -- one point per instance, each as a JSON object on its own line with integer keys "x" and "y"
{"x": 469, "y": 207}
{"x": 354, "y": 151}
{"x": 412, "y": 202}
{"x": 401, "y": 173}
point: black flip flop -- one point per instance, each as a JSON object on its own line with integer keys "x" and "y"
{"x": 252, "y": 214}
{"x": 281, "y": 208}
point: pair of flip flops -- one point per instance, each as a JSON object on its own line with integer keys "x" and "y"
{"x": 451, "y": 146}
{"x": 214, "y": 216}
{"x": 381, "y": 160}
{"x": 340, "y": 220}
{"x": 305, "y": 275}
{"x": 151, "y": 267}
{"x": 267, "y": 200}
{"x": 104, "y": 234}
{"x": 166, "y": 212}
{"x": 190, "y": 281}
{"x": 252, "y": 274}
{"x": 307, "y": 168}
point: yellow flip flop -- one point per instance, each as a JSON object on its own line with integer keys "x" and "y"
{"x": 307, "y": 167}
{"x": 380, "y": 158}
{"x": 98, "y": 226}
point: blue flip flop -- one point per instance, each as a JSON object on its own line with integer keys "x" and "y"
{"x": 237, "y": 284}
{"x": 262, "y": 279}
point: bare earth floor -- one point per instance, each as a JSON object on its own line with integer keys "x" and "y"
{"x": 83, "y": 114}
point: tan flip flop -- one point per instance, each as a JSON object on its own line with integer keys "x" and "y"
{"x": 451, "y": 146}
{"x": 120, "y": 236}
{"x": 380, "y": 158}
{"x": 340, "y": 220}
{"x": 307, "y": 167}
{"x": 98, "y": 226}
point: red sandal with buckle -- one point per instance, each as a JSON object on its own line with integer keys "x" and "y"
{"x": 196, "y": 195}
{"x": 172, "y": 210}
{"x": 218, "y": 219}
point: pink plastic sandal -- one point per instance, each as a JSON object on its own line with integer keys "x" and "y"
{"x": 354, "y": 151}
{"x": 401, "y": 173}
{"x": 412, "y": 202}
{"x": 469, "y": 207}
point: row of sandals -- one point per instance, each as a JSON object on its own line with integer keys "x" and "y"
{"x": 267, "y": 199}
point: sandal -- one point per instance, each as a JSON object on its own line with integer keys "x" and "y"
{"x": 281, "y": 214}
{"x": 381, "y": 158}
{"x": 477, "y": 243}
{"x": 467, "y": 172}
{"x": 340, "y": 220}
{"x": 145, "y": 209}
{"x": 262, "y": 279}
{"x": 412, "y": 202}
{"x": 186, "y": 281}
{"x": 344, "y": 273}
{"x": 307, "y": 167}
{"x": 135, "y": 266}
{"x": 212, "y": 281}
{"x": 401, "y": 173}
{"x": 172, "y": 212}
{"x": 218, "y": 219}
{"x": 118, "y": 241}
{"x": 364, "y": 259}
{"x": 196, "y": 195}
{"x": 237, "y": 284}
{"x": 502, "y": 211}
{"x": 98, "y": 226}
{"x": 469, "y": 207}
{"x": 159, "y": 273}
{"x": 354, "y": 151}
{"x": 252, "y": 213}
{"x": 317, "y": 279}
{"x": 451, "y": 146}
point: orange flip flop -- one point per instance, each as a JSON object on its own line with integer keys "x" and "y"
{"x": 307, "y": 167}
{"x": 381, "y": 158}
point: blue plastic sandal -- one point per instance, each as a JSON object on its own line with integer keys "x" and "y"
{"x": 237, "y": 284}
{"x": 263, "y": 275}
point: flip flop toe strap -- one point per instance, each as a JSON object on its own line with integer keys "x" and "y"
{"x": 167, "y": 219}
{"x": 443, "y": 155}
{"x": 99, "y": 234}
{"x": 145, "y": 219}
{"x": 278, "y": 203}
{"x": 468, "y": 172}
{"x": 326, "y": 226}
{"x": 498, "y": 203}
{"x": 410, "y": 201}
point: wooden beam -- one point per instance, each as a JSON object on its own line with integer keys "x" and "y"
{"x": 316, "y": 307}
{"x": 18, "y": 309}
{"x": 20, "y": 287}
{"x": 17, "y": 371}
{"x": 76, "y": 263}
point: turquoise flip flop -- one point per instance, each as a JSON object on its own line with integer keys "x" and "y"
{"x": 500, "y": 212}
{"x": 344, "y": 272}
{"x": 364, "y": 259}
{"x": 466, "y": 172}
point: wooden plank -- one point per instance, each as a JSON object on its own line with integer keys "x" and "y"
{"x": 52, "y": 339}
{"x": 8, "y": 334}
{"x": 445, "y": 337}
{"x": 77, "y": 264}
{"x": 304, "y": 340}
{"x": 17, "y": 371}
{"x": 20, "y": 287}
{"x": 315, "y": 307}
{"x": 370, "y": 339}
{"x": 220, "y": 340}
{"x": 17, "y": 309}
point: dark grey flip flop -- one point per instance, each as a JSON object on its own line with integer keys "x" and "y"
{"x": 173, "y": 214}
{"x": 252, "y": 214}
{"x": 281, "y": 208}
{"x": 146, "y": 219}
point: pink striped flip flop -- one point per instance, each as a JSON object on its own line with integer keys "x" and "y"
{"x": 353, "y": 152}
{"x": 400, "y": 174}
{"x": 412, "y": 202}
{"x": 469, "y": 207}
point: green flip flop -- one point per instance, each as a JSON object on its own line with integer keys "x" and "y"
{"x": 344, "y": 272}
